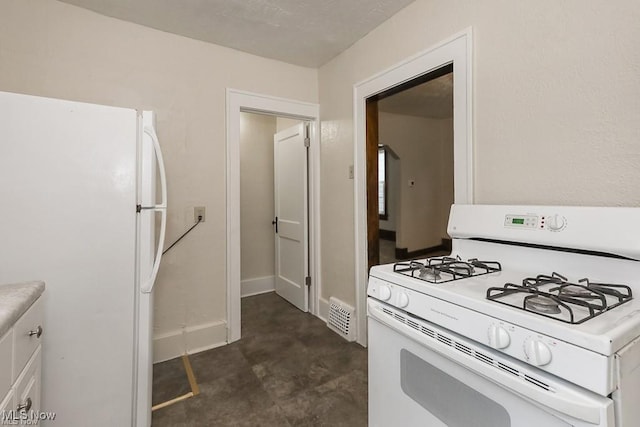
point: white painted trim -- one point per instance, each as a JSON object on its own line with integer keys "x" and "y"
{"x": 323, "y": 312}
{"x": 193, "y": 339}
{"x": 456, "y": 50}
{"x": 238, "y": 101}
{"x": 257, "y": 286}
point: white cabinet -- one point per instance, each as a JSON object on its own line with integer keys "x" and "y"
{"x": 20, "y": 369}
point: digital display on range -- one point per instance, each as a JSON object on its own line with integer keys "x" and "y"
{"x": 517, "y": 221}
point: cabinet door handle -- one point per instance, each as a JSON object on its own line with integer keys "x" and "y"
{"x": 25, "y": 406}
{"x": 37, "y": 332}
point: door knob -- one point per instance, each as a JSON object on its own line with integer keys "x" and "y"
{"x": 275, "y": 221}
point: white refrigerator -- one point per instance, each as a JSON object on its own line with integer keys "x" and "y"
{"x": 78, "y": 210}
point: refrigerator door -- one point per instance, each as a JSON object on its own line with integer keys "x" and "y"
{"x": 68, "y": 173}
{"x": 149, "y": 255}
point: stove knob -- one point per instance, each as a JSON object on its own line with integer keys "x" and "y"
{"x": 537, "y": 352}
{"x": 403, "y": 300}
{"x": 556, "y": 222}
{"x": 498, "y": 337}
{"x": 384, "y": 292}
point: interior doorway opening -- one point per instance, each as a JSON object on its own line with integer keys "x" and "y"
{"x": 238, "y": 102}
{"x": 274, "y": 242}
{"x": 457, "y": 51}
{"x": 410, "y": 168}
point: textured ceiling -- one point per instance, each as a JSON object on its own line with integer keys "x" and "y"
{"x": 302, "y": 32}
{"x": 432, "y": 99}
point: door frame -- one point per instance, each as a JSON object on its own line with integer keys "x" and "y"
{"x": 455, "y": 50}
{"x": 240, "y": 101}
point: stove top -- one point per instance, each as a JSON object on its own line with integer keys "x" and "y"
{"x": 608, "y": 330}
{"x": 555, "y": 297}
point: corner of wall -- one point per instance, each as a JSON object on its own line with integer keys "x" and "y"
{"x": 189, "y": 340}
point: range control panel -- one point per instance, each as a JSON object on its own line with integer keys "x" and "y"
{"x": 522, "y": 221}
{"x": 552, "y": 222}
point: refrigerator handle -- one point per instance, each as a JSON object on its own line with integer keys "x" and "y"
{"x": 161, "y": 207}
{"x": 148, "y": 286}
{"x": 163, "y": 177}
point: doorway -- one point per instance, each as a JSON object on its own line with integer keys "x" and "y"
{"x": 456, "y": 52}
{"x": 274, "y": 207}
{"x": 411, "y": 187}
{"x": 237, "y": 103}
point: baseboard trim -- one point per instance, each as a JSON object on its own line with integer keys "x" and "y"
{"x": 257, "y": 286}
{"x": 323, "y": 312}
{"x": 403, "y": 253}
{"x": 387, "y": 234}
{"x": 189, "y": 340}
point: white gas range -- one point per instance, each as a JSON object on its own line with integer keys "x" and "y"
{"x": 533, "y": 320}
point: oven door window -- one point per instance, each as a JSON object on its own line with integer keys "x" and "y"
{"x": 450, "y": 400}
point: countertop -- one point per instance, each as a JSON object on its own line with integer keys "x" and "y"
{"x": 15, "y": 300}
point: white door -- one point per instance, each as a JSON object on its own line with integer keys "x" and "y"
{"x": 290, "y": 218}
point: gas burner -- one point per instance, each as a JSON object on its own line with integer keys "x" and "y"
{"x": 555, "y": 297}
{"x": 542, "y": 304}
{"x": 576, "y": 291}
{"x": 446, "y": 269}
{"x": 430, "y": 274}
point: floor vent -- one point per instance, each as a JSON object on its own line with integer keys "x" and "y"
{"x": 341, "y": 319}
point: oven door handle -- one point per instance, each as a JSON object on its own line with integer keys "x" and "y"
{"x": 564, "y": 398}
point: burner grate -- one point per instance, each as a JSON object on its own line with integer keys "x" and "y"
{"x": 568, "y": 302}
{"x": 445, "y": 269}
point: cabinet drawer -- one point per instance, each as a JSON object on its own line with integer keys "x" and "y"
{"x": 6, "y": 349}
{"x": 7, "y": 405}
{"x": 27, "y": 389}
{"x": 27, "y": 336}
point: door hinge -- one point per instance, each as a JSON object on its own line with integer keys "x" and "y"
{"x": 307, "y": 139}
{"x": 307, "y": 281}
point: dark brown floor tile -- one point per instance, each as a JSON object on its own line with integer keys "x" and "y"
{"x": 169, "y": 381}
{"x": 288, "y": 369}
{"x": 270, "y": 346}
{"x": 230, "y": 400}
{"x": 341, "y": 402}
{"x": 351, "y": 357}
{"x": 212, "y": 364}
{"x": 287, "y": 376}
{"x": 173, "y": 416}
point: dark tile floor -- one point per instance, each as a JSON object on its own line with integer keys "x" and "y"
{"x": 288, "y": 369}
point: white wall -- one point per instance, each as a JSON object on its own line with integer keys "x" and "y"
{"x": 425, "y": 149}
{"x": 257, "y": 243}
{"x": 58, "y": 50}
{"x": 283, "y": 123}
{"x": 555, "y": 102}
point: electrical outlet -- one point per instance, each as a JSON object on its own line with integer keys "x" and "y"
{"x": 197, "y": 212}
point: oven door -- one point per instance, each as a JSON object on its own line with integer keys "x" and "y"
{"x": 423, "y": 375}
